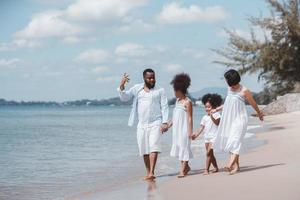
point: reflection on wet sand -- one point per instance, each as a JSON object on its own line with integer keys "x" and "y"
{"x": 152, "y": 191}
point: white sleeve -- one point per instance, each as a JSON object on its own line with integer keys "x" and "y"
{"x": 125, "y": 95}
{"x": 203, "y": 121}
{"x": 164, "y": 106}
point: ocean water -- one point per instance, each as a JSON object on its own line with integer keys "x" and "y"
{"x": 61, "y": 152}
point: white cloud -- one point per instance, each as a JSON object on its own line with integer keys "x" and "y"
{"x": 94, "y": 56}
{"x": 26, "y": 75}
{"x": 21, "y": 43}
{"x": 136, "y": 26}
{"x": 71, "y": 39}
{"x": 7, "y": 63}
{"x": 101, "y": 69}
{"x": 108, "y": 79}
{"x": 199, "y": 55}
{"x": 53, "y": 2}
{"x": 131, "y": 50}
{"x": 193, "y": 53}
{"x": 160, "y": 48}
{"x": 175, "y": 13}
{"x": 173, "y": 68}
{"x": 95, "y": 10}
{"x": 52, "y": 74}
{"x": 47, "y": 24}
{"x": 80, "y": 20}
{"x": 5, "y": 47}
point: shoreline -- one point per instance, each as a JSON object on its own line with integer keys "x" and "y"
{"x": 138, "y": 189}
{"x": 269, "y": 171}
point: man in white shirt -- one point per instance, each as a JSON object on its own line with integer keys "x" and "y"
{"x": 150, "y": 107}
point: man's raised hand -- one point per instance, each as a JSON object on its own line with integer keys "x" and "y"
{"x": 125, "y": 79}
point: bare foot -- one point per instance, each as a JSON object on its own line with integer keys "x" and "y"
{"x": 149, "y": 177}
{"x": 215, "y": 170}
{"x": 187, "y": 170}
{"x": 234, "y": 171}
{"x": 205, "y": 172}
{"x": 227, "y": 169}
{"x": 181, "y": 175}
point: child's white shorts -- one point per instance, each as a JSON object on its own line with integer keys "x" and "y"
{"x": 149, "y": 139}
{"x": 209, "y": 140}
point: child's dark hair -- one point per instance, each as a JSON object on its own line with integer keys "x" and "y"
{"x": 232, "y": 77}
{"x": 148, "y": 70}
{"x": 181, "y": 82}
{"x": 215, "y": 100}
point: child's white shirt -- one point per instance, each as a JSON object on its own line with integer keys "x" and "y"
{"x": 210, "y": 128}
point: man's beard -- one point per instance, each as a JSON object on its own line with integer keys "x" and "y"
{"x": 148, "y": 85}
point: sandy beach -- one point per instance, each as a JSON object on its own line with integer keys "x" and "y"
{"x": 271, "y": 171}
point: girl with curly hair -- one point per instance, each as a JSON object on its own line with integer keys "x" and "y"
{"x": 182, "y": 123}
{"x": 209, "y": 126}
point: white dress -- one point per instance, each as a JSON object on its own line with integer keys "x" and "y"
{"x": 233, "y": 124}
{"x": 181, "y": 146}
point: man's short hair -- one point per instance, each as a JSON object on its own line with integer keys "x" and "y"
{"x": 148, "y": 70}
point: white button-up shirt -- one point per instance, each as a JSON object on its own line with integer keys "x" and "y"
{"x": 150, "y": 107}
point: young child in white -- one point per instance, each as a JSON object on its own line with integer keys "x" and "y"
{"x": 182, "y": 123}
{"x": 209, "y": 126}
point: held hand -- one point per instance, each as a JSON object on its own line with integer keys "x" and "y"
{"x": 164, "y": 128}
{"x": 125, "y": 79}
{"x": 191, "y": 136}
{"x": 260, "y": 116}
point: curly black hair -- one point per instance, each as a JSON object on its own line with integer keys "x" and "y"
{"x": 214, "y": 99}
{"x": 181, "y": 82}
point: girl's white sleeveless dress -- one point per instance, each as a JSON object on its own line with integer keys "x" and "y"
{"x": 181, "y": 146}
{"x": 233, "y": 124}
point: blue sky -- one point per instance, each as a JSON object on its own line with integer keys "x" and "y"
{"x": 75, "y": 49}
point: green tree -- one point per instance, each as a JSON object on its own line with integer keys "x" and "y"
{"x": 276, "y": 58}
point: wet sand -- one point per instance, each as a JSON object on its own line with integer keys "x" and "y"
{"x": 135, "y": 188}
{"x": 271, "y": 171}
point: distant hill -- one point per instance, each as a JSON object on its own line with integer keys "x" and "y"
{"x": 261, "y": 98}
{"x": 106, "y": 102}
{"x": 219, "y": 90}
{"x": 84, "y": 102}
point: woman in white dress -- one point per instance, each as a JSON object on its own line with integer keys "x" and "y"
{"x": 233, "y": 124}
{"x": 182, "y": 123}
